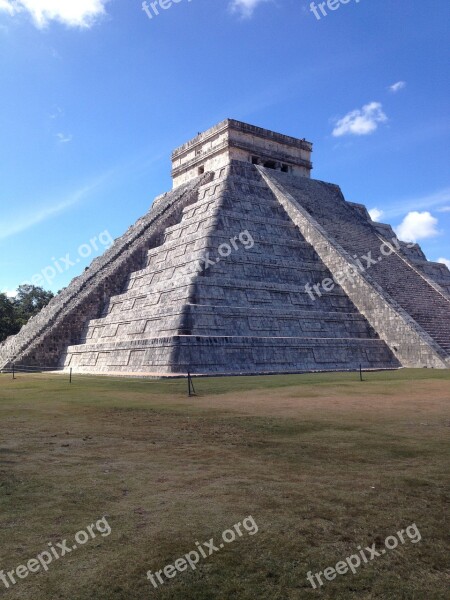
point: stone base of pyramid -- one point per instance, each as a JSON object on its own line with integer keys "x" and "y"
{"x": 232, "y": 355}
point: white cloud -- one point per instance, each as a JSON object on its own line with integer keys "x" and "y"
{"x": 444, "y": 209}
{"x": 245, "y": 8}
{"x": 6, "y": 6}
{"x": 58, "y": 112}
{"x": 10, "y": 293}
{"x": 396, "y": 87}
{"x": 417, "y": 226}
{"x": 361, "y": 122}
{"x": 444, "y": 261}
{"x": 73, "y": 13}
{"x": 64, "y": 139}
{"x": 376, "y": 214}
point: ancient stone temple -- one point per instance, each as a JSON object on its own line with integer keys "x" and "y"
{"x": 247, "y": 266}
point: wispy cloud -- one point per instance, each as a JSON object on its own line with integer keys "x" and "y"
{"x": 396, "y": 87}
{"x": 139, "y": 163}
{"x": 64, "y": 139}
{"x": 245, "y": 8}
{"x": 417, "y": 226}
{"x": 55, "y": 54}
{"x": 47, "y": 211}
{"x": 57, "y": 112}
{"x": 433, "y": 200}
{"x": 362, "y": 121}
{"x": 73, "y": 13}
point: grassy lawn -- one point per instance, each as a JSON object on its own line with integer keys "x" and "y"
{"x": 323, "y": 463}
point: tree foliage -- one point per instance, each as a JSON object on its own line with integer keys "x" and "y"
{"x": 16, "y": 312}
{"x": 8, "y": 321}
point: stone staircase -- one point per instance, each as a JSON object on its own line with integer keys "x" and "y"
{"x": 397, "y": 276}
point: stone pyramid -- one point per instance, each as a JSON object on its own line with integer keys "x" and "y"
{"x": 247, "y": 266}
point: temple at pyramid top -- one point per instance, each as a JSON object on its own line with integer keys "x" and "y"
{"x": 235, "y": 140}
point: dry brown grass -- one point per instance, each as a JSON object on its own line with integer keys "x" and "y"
{"x": 323, "y": 463}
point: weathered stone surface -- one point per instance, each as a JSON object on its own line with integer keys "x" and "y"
{"x": 214, "y": 279}
{"x": 407, "y": 309}
{"x": 233, "y": 140}
{"x": 45, "y": 338}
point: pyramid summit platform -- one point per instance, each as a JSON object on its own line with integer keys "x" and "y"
{"x": 247, "y": 266}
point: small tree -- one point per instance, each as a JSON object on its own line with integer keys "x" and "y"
{"x": 14, "y": 313}
{"x": 8, "y": 323}
{"x": 29, "y": 301}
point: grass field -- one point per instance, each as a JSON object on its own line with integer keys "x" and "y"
{"x": 323, "y": 463}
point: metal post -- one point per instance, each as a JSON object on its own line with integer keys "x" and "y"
{"x": 191, "y": 389}
{"x": 70, "y": 376}
{"x": 13, "y": 371}
{"x": 360, "y": 373}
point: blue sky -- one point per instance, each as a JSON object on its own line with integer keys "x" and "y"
{"x": 95, "y": 95}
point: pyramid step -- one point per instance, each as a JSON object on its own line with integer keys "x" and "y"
{"x": 205, "y": 354}
{"x": 236, "y": 221}
{"x": 220, "y": 320}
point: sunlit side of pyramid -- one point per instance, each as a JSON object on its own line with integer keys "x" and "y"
{"x": 217, "y": 278}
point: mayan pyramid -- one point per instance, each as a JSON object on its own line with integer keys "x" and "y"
{"x": 247, "y": 266}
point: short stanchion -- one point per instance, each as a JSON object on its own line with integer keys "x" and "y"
{"x": 13, "y": 371}
{"x": 191, "y": 389}
{"x": 70, "y": 375}
{"x": 360, "y": 373}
